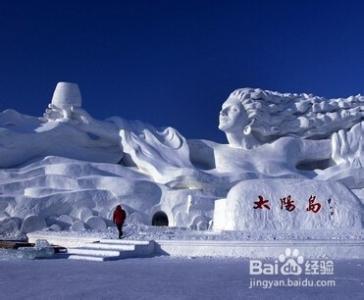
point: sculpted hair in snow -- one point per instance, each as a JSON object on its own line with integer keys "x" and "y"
{"x": 273, "y": 114}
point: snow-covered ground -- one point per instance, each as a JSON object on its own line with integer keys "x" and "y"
{"x": 145, "y": 232}
{"x": 161, "y": 278}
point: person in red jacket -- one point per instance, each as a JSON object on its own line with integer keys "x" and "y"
{"x": 118, "y": 218}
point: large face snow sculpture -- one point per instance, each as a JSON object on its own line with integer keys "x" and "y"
{"x": 236, "y": 120}
{"x": 261, "y": 116}
{"x": 233, "y": 116}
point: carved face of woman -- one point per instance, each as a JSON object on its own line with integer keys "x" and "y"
{"x": 233, "y": 117}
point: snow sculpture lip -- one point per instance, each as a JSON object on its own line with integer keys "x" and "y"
{"x": 67, "y": 94}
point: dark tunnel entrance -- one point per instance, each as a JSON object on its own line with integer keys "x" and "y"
{"x": 160, "y": 219}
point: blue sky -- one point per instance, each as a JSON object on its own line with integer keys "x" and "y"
{"x": 172, "y": 63}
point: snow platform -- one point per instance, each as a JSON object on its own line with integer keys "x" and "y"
{"x": 111, "y": 250}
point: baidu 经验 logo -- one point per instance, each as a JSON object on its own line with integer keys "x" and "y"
{"x": 289, "y": 263}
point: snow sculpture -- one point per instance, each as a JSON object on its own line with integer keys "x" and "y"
{"x": 266, "y": 115}
{"x": 26, "y": 138}
{"x": 66, "y": 96}
{"x": 292, "y": 136}
{"x": 70, "y": 164}
{"x": 311, "y": 132}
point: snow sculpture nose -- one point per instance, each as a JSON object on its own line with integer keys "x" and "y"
{"x": 67, "y": 94}
{"x": 223, "y": 111}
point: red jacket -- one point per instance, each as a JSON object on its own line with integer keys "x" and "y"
{"x": 119, "y": 215}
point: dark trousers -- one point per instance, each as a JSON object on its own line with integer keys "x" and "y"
{"x": 120, "y": 229}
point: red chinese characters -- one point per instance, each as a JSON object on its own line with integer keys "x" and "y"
{"x": 287, "y": 203}
{"x": 312, "y": 206}
{"x": 262, "y": 203}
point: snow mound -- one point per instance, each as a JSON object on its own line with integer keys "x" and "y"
{"x": 339, "y": 208}
{"x": 96, "y": 223}
{"x": 33, "y": 223}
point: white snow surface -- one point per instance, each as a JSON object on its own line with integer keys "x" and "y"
{"x": 163, "y": 278}
{"x": 134, "y": 231}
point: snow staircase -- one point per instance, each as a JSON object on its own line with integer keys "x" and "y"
{"x": 110, "y": 249}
